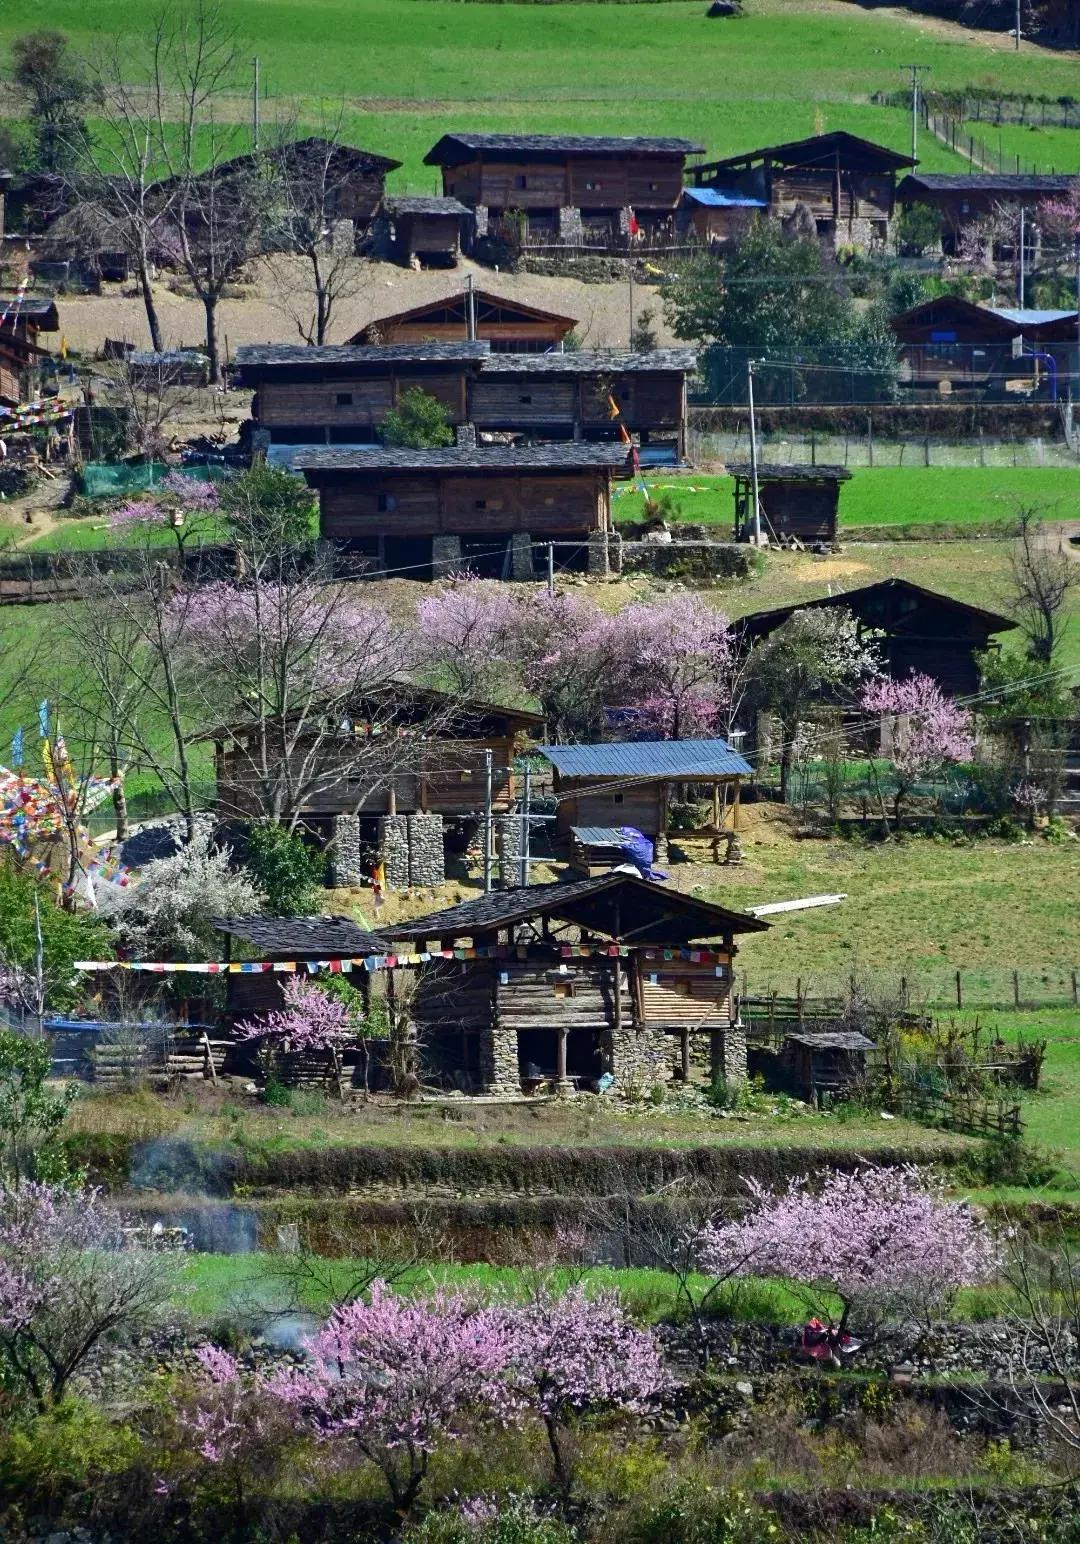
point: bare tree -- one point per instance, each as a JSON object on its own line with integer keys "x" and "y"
{"x": 216, "y": 195}
{"x": 1043, "y": 580}
{"x": 312, "y": 219}
{"x": 1043, "y": 1307}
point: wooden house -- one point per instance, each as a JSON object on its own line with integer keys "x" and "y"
{"x": 507, "y": 325}
{"x": 799, "y": 503}
{"x": 23, "y": 318}
{"x": 565, "y": 189}
{"x": 959, "y": 199}
{"x": 428, "y": 232}
{"x": 633, "y": 783}
{"x": 576, "y": 983}
{"x": 847, "y": 184}
{"x": 341, "y": 395}
{"x": 406, "y": 508}
{"x": 825, "y": 1062}
{"x": 298, "y": 940}
{"x": 915, "y": 629}
{"x": 406, "y": 774}
{"x": 949, "y": 346}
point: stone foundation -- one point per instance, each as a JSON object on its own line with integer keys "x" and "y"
{"x": 346, "y": 869}
{"x": 640, "y": 1057}
{"x": 481, "y": 218}
{"x": 521, "y": 556}
{"x": 499, "y": 1062}
{"x": 599, "y": 553}
{"x": 508, "y": 848}
{"x": 394, "y": 850}
{"x": 727, "y": 1054}
{"x": 571, "y": 229}
{"x": 427, "y": 853}
{"x": 445, "y": 556}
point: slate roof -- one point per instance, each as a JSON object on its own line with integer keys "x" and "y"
{"x": 503, "y": 908}
{"x": 262, "y": 354}
{"x": 567, "y": 455}
{"x": 832, "y": 1040}
{"x": 983, "y": 182}
{"x": 756, "y": 622}
{"x": 588, "y": 362}
{"x": 561, "y": 144}
{"x": 418, "y": 205}
{"x": 648, "y": 758}
{"x": 784, "y": 471}
{"x": 820, "y": 149}
{"x": 41, "y": 308}
{"x": 599, "y": 836}
{"x": 303, "y": 937}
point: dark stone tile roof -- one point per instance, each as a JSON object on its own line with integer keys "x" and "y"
{"x": 303, "y": 937}
{"x": 784, "y": 471}
{"x": 565, "y": 144}
{"x": 409, "y": 205}
{"x": 293, "y": 354}
{"x": 589, "y": 362}
{"x": 567, "y": 455}
{"x": 983, "y": 182}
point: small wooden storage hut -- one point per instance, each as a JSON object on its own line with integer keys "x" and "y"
{"x": 430, "y": 230}
{"x": 799, "y": 503}
{"x": 260, "y": 940}
{"x": 559, "y": 984}
{"x": 825, "y": 1061}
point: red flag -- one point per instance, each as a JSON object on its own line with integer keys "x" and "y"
{"x": 632, "y": 225}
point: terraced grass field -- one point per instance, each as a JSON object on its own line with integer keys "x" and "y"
{"x": 408, "y": 70}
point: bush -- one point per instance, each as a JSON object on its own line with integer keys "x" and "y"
{"x": 277, "y": 1094}
{"x": 693, "y": 1513}
{"x": 492, "y": 1520}
{"x": 61, "y": 1452}
{"x": 289, "y": 873}
{"x": 419, "y": 421}
{"x": 1010, "y": 1161}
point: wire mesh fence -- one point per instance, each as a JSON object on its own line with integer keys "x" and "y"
{"x": 871, "y": 449}
{"x": 945, "y": 988}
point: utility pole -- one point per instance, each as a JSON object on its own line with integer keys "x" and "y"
{"x": 1017, "y": 26}
{"x": 525, "y": 824}
{"x": 755, "y": 519}
{"x": 487, "y": 823}
{"x": 630, "y": 276}
{"x": 1076, "y": 385}
{"x": 471, "y": 311}
{"x": 915, "y": 69}
{"x": 551, "y": 567}
{"x": 1023, "y": 239}
{"x": 255, "y": 106}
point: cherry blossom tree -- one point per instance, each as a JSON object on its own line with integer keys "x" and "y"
{"x": 466, "y": 633}
{"x": 929, "y": 731}
{"x": 575, "y": 1352}
{"x": 393, "y": 1375}
{"x": 182, "y": 505}
{"x": 884, "y": 1242}
{"x": 681, "y": 666}
{"x": 69, "y": 1283}
{"x": 567, "y": 649}
{"x": 312, "y": 1020}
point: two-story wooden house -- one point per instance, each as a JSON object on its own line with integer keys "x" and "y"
{"x": 848, "y": 185}
{"x": 435, "y": 510}
{"x": 566, "y": 189}
{"x": 508, "y": 325}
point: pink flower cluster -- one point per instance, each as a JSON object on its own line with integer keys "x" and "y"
{"x": 175, "y": 501}
{"x": 394, "y": 1375}
{"x": 929, "y": 730}
{"x": 311, "y": 1020}
{"x": 874, "y": 1237}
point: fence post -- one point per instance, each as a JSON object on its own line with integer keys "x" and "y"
{"x": 1016, "y": 988}
{"x": 1076, "y": 998}
{"x": 959, "y": 993}
{"x": 903, "y": 993}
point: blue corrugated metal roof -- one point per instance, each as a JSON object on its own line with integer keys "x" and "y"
{"x": 1031, "y": 318}
{"x": 649, "y": 758}
{"x": 599, "y": 836}
{"x": 725, "y": 198}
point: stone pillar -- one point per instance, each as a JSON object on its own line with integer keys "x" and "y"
{"x": 445, "y": 556}
{"x": 346, "y": 868}
{"x": 394, "y": 850}
{"x": 624, "y": 222}
{"x": 521, "y": 556}
{"x": 465, "y": 436}
{"x": 427, "y": 854}
{"x": 260, "y": 444}
{"x": 508, "y": 846}
{"x": 614, "y": 547}
{"x": 480, "y": 215}
{"x": 562, "y": 1082}
{"x": 728, "y": 1055}
{"x": 599, "y": 561}
{"x": 571, "y": 230}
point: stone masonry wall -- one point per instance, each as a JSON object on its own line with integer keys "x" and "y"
{"x": 508, "y": 846}
{"x": 346, "y": 868}
{"x": 394, "y": 850}
{"x": 427, "y": 853}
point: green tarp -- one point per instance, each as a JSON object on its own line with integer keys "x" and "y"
{"x": 104, "y": 480}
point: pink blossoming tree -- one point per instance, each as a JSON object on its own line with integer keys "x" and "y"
{"x": 394, "y": 1375}
{"x": 186, "y": 507}
{"x": 312, "y": 1020}
{"x": 575, "y": 1352}
{"x": 680, "y": 665}
{"x": 882, "y": 1241}
{"x": 929, "y": 731}
{"x": 69, "y": 1282}
{"x": 466, "y": 634}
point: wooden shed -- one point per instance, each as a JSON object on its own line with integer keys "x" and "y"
{"x": 23, "y": 318}
{"x": 558, "y": 985}
{"x": 399, "y": 505}
{"x": 719, "y": 215}
{"x": 563, "y": 188}
{"x": 848, "y": 184}
{"x": 960, "y": 198}
{"x": 428, "y": 231}
{"x": 632, "y": 783}
{"x": 820, "y": 1062}
{"x": 508, "y": 325}
{"x": 799, "y": 503}
{"x": 915, "y": 629}
{"x": 283, "y": 940}
{"x": 949, "y": 345}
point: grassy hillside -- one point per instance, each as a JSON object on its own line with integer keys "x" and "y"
{"x": 409, "y": 69}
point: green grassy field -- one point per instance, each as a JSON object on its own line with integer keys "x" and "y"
{"x": 409, "y": 70}
{"x": 885, "y": 496}
{"x": 1050, "y": 149}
